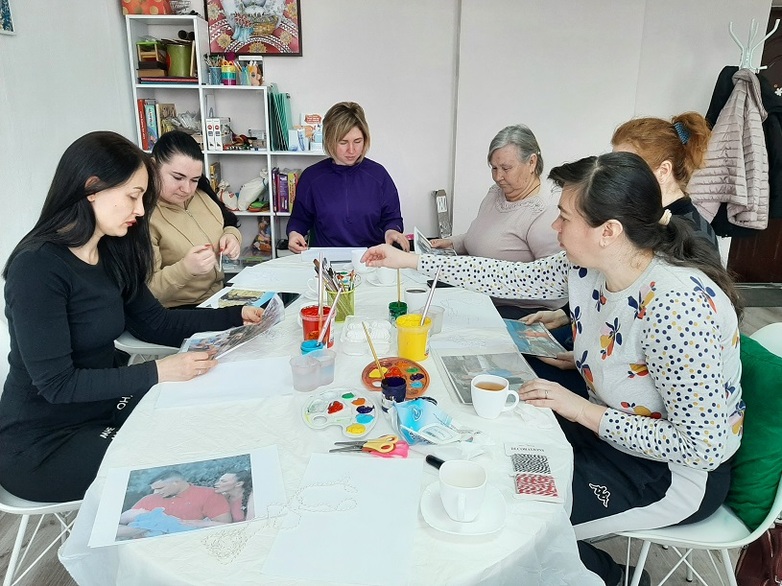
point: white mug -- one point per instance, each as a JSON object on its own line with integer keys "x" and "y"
{"x": 355, "y": 260}
{"x": 490, "y": 395}
{"x": 462, "y": 489}
{"x": 385, "y": 276}
{"x": 415, "y": 297}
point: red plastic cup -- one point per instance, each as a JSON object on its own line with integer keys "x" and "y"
{"x": 311, "y": 323}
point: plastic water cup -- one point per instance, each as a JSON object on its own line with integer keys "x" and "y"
{"x": 306, "y": 372}
{"x": 326, "y": 360}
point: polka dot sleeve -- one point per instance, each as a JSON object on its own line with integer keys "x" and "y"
{"x": 683, "y": 355}
{"x": 545, "y": 278}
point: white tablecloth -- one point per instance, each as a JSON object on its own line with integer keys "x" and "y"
{"x": 536, "y": 546}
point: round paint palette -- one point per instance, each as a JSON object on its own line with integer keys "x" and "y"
{"x": 417, "y": 378}
{"x": 354, "y": 413}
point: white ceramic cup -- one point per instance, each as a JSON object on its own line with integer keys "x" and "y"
{"x": 385, "y": 276}
{"x": 355, "y": 260}
{"x": 462, "y": 489}
{"x": 490, "y": 395}
{"x": 415, "y": 297}
{"x": 312, "y": 286}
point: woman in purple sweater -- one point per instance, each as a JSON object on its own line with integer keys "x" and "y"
{"x": 346, "y": 200}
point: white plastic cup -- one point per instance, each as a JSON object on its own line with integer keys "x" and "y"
{"x": 306, "y": 372}
{"x": 355, "y": 260}
{"x": 326, "y": 360}
{"x": 490, "y": 395}
{"x": 436, "y": 312}
{"x": 462, "y": 489}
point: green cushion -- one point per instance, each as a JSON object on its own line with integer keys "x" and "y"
{"x": 757, "y": 465}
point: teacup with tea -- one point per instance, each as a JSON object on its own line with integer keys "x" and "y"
{"x": 490, "y": 395}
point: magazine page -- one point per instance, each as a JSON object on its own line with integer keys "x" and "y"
{"x": 218, "y": 344}
{"x": 533, "y": 339}
{"x": 459, "y": 369}
{"x": 424, "y": 246}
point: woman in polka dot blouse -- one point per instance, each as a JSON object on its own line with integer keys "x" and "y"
{"x": 656, "y": 340}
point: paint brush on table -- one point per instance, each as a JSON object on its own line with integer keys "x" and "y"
{"x": 399, "y": 286}
{"x": 372, "y": 348}
{"x": 429, "y": 297}
{"x": 329, "y": 319}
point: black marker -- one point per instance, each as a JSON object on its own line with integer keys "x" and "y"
{"x": 435, "y": 461}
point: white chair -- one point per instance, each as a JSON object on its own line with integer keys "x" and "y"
{"x": 723, "y": 530}
{"x": 770, "y": 337}
{"x": 17, "y": 506}
{"x": 141, "y": 351}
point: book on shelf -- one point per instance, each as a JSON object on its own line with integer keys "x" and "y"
{"x": 215, "y": 175}
{"x": 153, "y": 73}
{"x": 165, "y": 112}
{"x": 533, "y": 339}
{"x": 293, "y": 180}
{"x": 150, "y": 115}
{"x": 459, "y": 368}
{"x": 282, "y": 190}
{"x": 142, "y": 124}
{"x": 167, "y": 79}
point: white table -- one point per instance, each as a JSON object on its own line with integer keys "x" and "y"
{"x": 536, "y": 546}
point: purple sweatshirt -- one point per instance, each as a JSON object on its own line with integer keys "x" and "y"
{"x": 345, "y": 205}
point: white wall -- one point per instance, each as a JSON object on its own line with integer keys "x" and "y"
{"x": 571, "y": 70}
{"x": 575, "y": 72}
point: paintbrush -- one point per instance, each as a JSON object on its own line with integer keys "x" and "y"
{"x": 372, "y": 347}
{"x": 320, "y": 290}
{"x": 329, "y": 319}
{"x": 429, "y": 297}
{"x": 399, "y": 286}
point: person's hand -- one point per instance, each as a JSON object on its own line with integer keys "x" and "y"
{"x": 296, "y": 242}
{"x": 199, "y": 260}
{"x": 544, "y": 393}
{"x": 183, "y": 366}
{"x": 396, "y": 236}
{"x": 563, "y": 361}
{"x": 441, "y": 243}
{"x": 385, "y": 255}
{"x": 251, "y": 315}
{"x": 550, "y": 319}
{"x": 229, "y": 246}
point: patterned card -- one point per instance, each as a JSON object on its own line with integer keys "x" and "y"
{"x": 532, "y": 473}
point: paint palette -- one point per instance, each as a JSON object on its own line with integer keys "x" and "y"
{"x": 415, "y": 374}
{"x": 354, "y": 413}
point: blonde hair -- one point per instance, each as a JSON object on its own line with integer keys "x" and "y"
{"x": 340, "y": 119}
{"x": 657, "y": 140}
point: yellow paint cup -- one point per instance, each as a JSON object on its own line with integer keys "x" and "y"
{"x": 412, "y": 338}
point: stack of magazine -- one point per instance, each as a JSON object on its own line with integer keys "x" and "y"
{"x": 458, "y": 369}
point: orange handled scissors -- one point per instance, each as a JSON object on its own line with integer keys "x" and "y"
{"x": 384, "y": 445}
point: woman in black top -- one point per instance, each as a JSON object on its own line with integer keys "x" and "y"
{"x": 74, "y": 283}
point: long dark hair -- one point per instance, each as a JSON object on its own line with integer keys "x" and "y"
{"x": 95, "y": 162}
{"x": 246, "y": 479}
{"x": 176, "y": 142}
{"x": 621, "y": 186}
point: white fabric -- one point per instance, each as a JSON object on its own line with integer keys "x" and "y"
{"x": 537, "y": 545}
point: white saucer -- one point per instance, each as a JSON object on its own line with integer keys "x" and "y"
{"x": 491, "y": 519}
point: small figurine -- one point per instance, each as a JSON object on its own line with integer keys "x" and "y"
{"x": 263, "y": 241}
{"x": 230, "y": 200}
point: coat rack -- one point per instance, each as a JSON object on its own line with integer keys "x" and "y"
{"x": 748, "y": 50}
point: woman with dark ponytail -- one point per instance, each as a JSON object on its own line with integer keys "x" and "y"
{"x": 655, "y": 333}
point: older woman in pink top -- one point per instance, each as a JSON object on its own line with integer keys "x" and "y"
{"x": 514, "y": 220}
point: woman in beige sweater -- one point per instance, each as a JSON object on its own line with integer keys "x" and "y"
{"x": 189, "y": 229}
{"x": 514, "y": 220}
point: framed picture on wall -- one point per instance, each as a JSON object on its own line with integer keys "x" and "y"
{"x": 6, "y": 20}
{"x": 254, "y": 27}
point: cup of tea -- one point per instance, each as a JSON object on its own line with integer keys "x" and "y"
{"x": 462, "y": 489}
{"x": 385, "y": 276}
{"x": 490, "y": 395}
{"x": 415, "y": 297}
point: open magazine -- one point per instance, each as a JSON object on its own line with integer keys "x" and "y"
{"x": 534, "y": 339}
{"x": 459, "y": 369}
{"x": 424, "y": 246}
{"x": 218, "y": 344}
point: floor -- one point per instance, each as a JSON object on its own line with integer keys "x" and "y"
{"x": 50, "y": 573}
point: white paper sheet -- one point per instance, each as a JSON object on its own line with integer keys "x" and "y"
{"x": 355, "y": 522}
{"x": 285, "y": 278}
{"x": 230, "y": 381}
{"x": 268, "y": 491}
